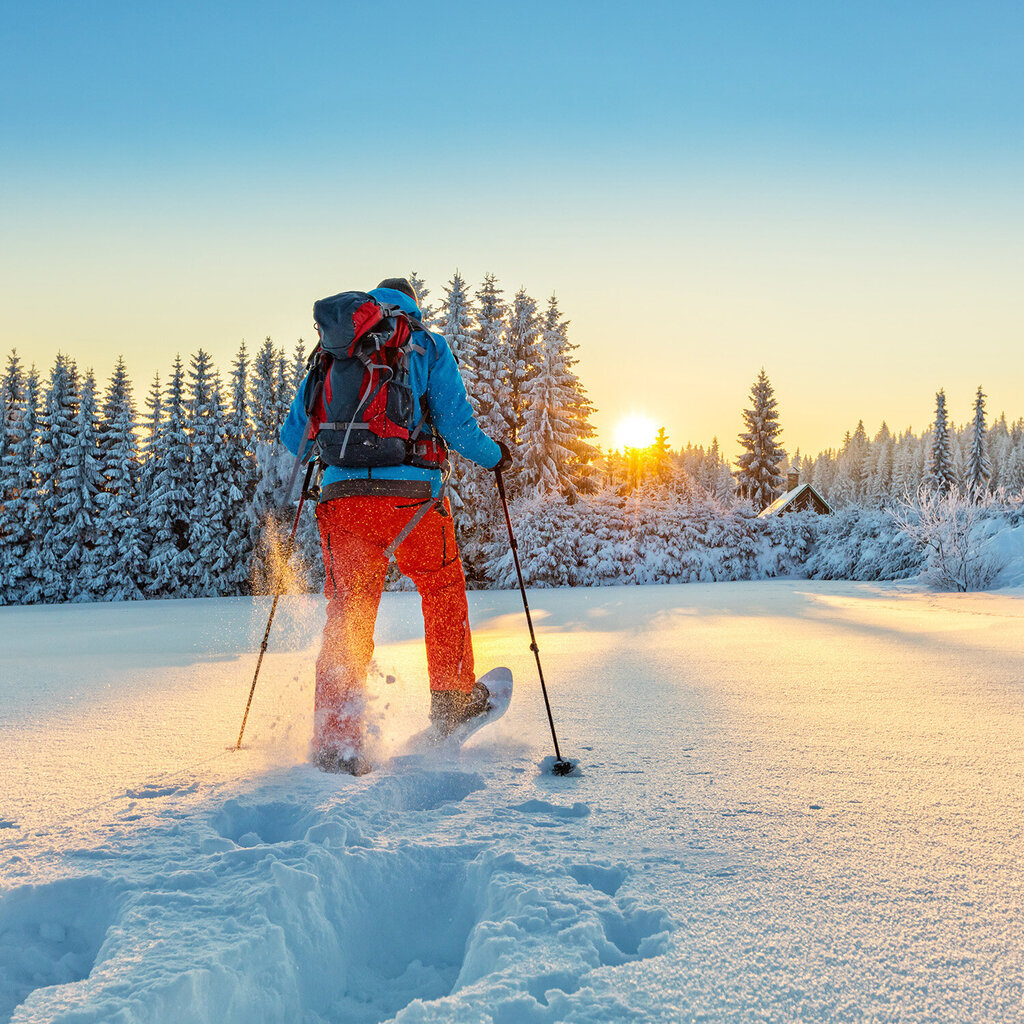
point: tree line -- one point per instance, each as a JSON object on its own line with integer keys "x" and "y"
{"x": 100, "y": 502}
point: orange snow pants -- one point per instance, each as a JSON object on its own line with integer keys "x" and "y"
{"x": 354, "y": 534}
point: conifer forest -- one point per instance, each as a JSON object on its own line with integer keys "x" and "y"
{"x": 109, "y": 494}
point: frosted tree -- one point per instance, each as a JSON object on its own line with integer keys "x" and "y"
{"x": 979, "y": 466}
{"x": 579, "y": 410}
{"x": 12, "y": 391}
{"x": 299, "y": 367}
{"x": 547, "y": 431}
{"x": 486, "y": 363}
{"x": 21, "y": 540}
{"x": 58, "y": 437}
{"x": 169, "y": 503}
{"x": 758, "y": 478}
{"x": 429, "y": 315}
{"x": 941, "y": 477}
{"x": 81, "y": 481}
{"x": 265, "y": 418}
{"x": 854, "y": 461}
{"x": 523, "y": 333}
{"x": 241, "y": 477}
{"x": 206, "y": 552}
{"x": 455, "y": 321}
{"x": 661, "y": 458}
{"x": 120, "y": 546}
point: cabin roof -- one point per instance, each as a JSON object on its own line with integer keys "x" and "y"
{"x": 799, "y": 498}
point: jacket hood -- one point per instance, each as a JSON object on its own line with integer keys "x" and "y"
{"x": 394, "y": 297}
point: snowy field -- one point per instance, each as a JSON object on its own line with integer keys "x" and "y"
{"x": 798, "y": 801}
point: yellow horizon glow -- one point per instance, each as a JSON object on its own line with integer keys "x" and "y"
{"x": 635, "y": 431}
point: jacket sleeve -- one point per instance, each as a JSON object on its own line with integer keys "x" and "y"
{"x": 450, "y": 409}
{"x": 295, "y": 424}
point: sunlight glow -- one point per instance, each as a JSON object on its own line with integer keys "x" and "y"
{"x": 635, "y": 431}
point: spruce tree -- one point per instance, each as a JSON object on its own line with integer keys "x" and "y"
{"x": 81, "y": 481}
{"x": 979, "y": 466}
{"x": 206, "y": 542}
{"x": 941, "y": 476}
{"x": 554, "y": 448}
{"x": 121, "y": 549}
{"x": 241, "y": 478}
{"x": 170, "y": 500}
{"x": 12, "y": 398}
{"x": 758, "y": 478}
{"x": 661, "y": 458}
{"x": 456, "y": 323}
{"x": 428, "y": 315}
{"x": 57, "y": 438}
{"x": 266, "y": 422}
{"x": 21, "y": 537}
{"x": 490, "y": 363}
{"x": 579, "y": 410}
{"x": 485, "y": 363}
{"x": 523, "y": 333}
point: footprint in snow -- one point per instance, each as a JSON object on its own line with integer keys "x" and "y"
{"x": 577, "y": 810}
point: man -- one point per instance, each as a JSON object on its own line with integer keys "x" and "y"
{"x": 360, "y": 514}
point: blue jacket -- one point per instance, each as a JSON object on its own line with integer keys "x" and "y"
{"x": 434, "y": 373}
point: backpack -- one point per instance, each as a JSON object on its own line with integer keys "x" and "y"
{"x": 357, "y": 395}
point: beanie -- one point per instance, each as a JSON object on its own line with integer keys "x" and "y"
{"x": 400, "y": 284}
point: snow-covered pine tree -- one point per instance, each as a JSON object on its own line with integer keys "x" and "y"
{"x": 758, "y": 478}
{"x": 854, "y": 461}
{"x": 264, "y": 394}
{"x": 170, "y": 496}
{"x": 661, "y": 458}
{"x": 456, "y": 322}
{"x": 58, "y": 435}
{"x": 241, "y": 477}
{"x": 523, "y": 333}
{"x": 549, "y": 431}
{"x": 272, "y": 394}
{"x": 579, "y": 410}
{"x": 979, "y": 466}
{"x": 284, "y": 391}
{"x": 121, "y": 548}
{"x": 940, "y": 476}
{"x": 81, "y": 481}
{"x": 12, "y": 386}
{"x": 21, "y": 528}
{"x": 429, "y": 315}
{"x": 878, "y": 487}
{"x": 206, "y": 553}
{"x": 299, "y": 367}
{"x": 486, "y": 362}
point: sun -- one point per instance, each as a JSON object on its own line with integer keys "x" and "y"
{"x": 635, "y": 431}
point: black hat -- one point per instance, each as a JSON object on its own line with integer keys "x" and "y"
{"x": 400, "y": 284}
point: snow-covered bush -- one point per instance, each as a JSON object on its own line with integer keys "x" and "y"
{"x": 859, "y": 543}
{"x": 647, "y": 538}
{"x": 950, "y": 529}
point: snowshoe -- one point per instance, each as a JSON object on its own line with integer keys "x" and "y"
{"x": 332, "y": 760}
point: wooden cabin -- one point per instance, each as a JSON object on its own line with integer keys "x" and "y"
{"x": 798, "y": 498}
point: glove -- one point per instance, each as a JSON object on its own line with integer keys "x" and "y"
{"x": 505, "y": 461}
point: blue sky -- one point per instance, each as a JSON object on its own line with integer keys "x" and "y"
{"x": 822, "y": 188}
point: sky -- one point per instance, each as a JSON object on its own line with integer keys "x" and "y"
{"x": 829, "y": 190}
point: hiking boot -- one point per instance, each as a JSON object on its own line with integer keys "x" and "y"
{"x": 450, "y": 708}
{"x": 331, "y": 759}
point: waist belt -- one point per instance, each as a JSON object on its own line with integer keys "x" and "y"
{"x": 359, "y": 488}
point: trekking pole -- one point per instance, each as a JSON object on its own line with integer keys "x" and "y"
{"x": 277, "y": 597}
{"x": 561, "y": 765}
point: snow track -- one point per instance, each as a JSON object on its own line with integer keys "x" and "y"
{"x": 303, "y": 907}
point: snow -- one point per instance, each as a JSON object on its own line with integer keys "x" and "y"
{"x": 798, "y": 800}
